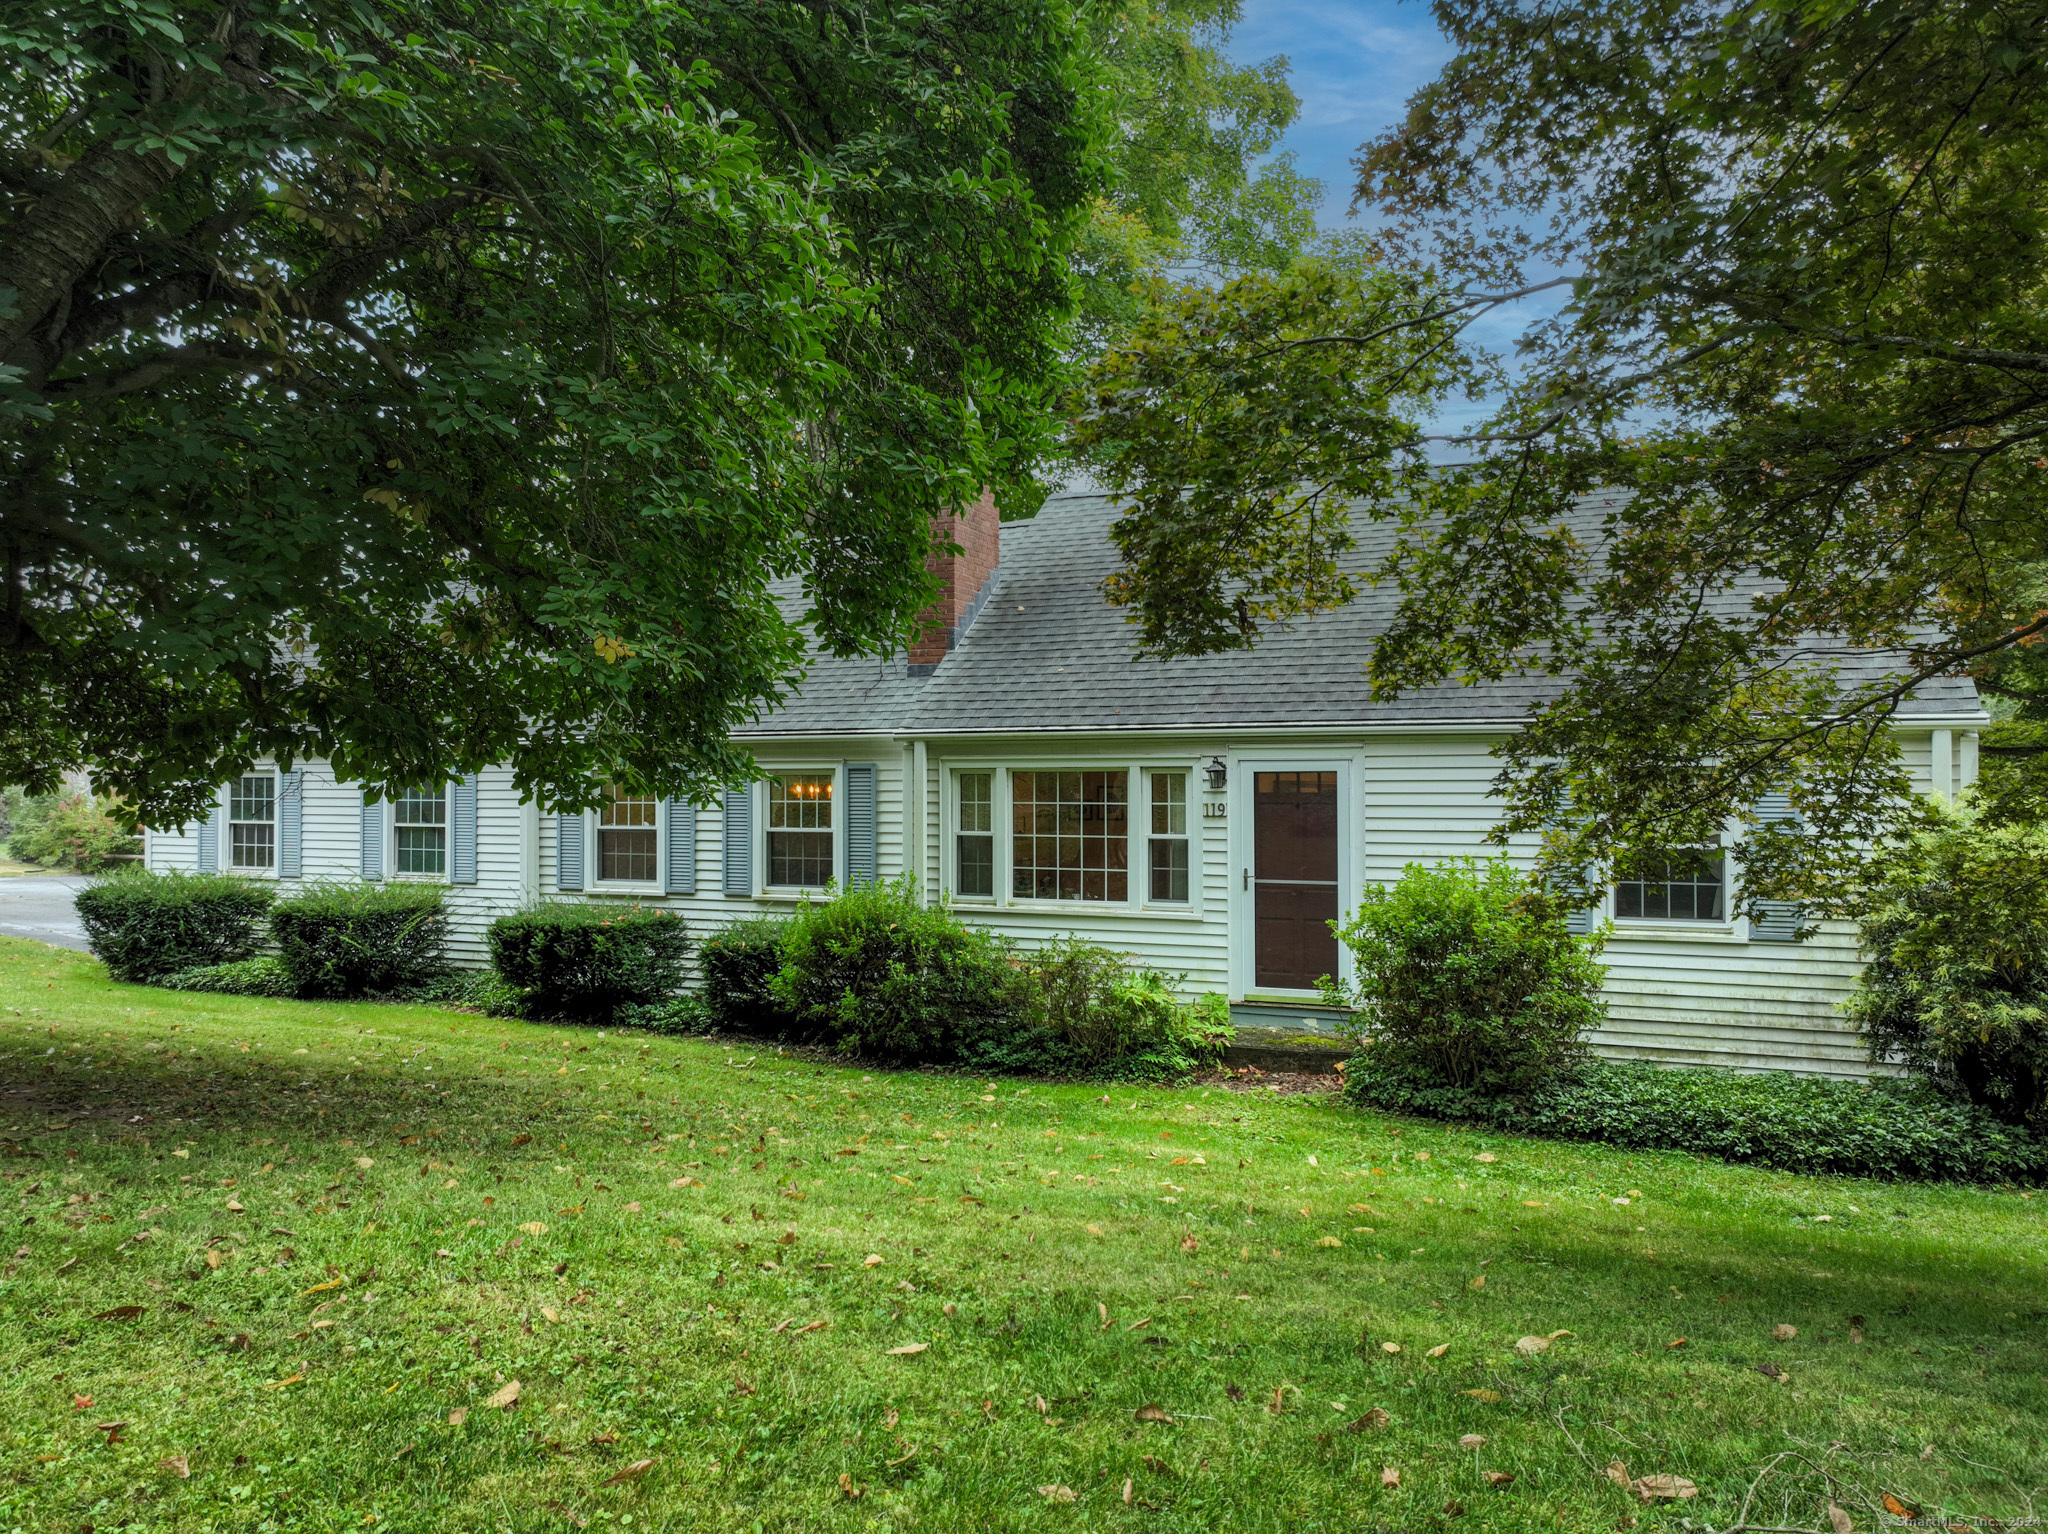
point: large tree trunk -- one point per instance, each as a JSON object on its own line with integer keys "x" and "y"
{"x": 65, "y": 235}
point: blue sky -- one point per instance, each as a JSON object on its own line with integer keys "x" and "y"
{"x": 1353, "y": 64}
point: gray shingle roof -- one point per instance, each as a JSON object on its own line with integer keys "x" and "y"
{"x": 1048, "y": 653}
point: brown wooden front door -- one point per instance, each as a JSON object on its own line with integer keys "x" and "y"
{"x": 1294, "y": 878}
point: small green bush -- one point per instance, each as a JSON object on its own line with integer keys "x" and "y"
{"x": 76, "y": 832}
{"x": 1465, "y": 975}
{"x": 676, "y": 1015}
{"x": 483, "y": 989}
{"x": 264, "y": 975}
{"x": 877, "y": 974}
{"x": 146, "y": 926}
{"x": 1957, "y": 985}
{"x": 1887, "y": 1129}
{"x": 583, "y": 961}
{"x": 738, "y": 962}
{"x": 1111, "y": 1019}
{"x": 347, "y": 940}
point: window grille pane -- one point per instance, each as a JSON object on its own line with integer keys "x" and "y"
{"x": 422, "y": 849}
{"x": 1169, "y": 868}
{"x": 420, "y": 807}
{"x": 1070, "y": 835}
{"x": 977, "y": 802}
{"x": 255, "y": 845}
{"x": 254, "y": 798}
{"x": 1670, "y": 886}
{"x": 1169, "y": 804}
{"x": 627, "y": 855}
{"x": 976, "y": 870}
{"x": 627, "y": 810}
{"x": 800, "y": 830}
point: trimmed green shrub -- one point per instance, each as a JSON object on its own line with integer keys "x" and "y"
{"x": 1957, "y": 985}
{"x": 264, "y": 975}
{"x": 879, "y": 975}
{"x": 583, "y": 961}
{"x": 76, "y": 832}
{"x": 1888, "y": 1129}
{"x": 347, "y": 940}
{"x": 146, "y": 926}
{"x": 1109, "y": 1018}
{"x": 738, "y": 962}
{"x": 483, "y": 989}
{"x": 1465, "y": 975}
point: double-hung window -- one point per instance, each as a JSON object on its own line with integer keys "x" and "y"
{"x": 252, "y": 822}
{"x": 627, "y": 838}
{"x": 800, "y": 830}
{"x": 1167, "y": 847}
{"x": 1070, "y": 835}
{"x": 974, "y": 846}
{"x": 1683, "y": 885}
{"x": 420, "y": 832}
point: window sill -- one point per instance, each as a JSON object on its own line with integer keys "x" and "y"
{"x": 614, "y": 887}
{"x": 1682, "y": 931}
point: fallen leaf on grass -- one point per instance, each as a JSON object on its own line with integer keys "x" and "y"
{"x": 1675, "y": 1342}
{"x": 1439, "y": 1350}
{"x": 1136, "y": 1324}
{"x": 846, "y": 1485}
{"x": 1486, "y": 1156}
{"x": 1102, "y": 1310}
{"x": 549, "y": 1313}
{"x": 522, "y": 1139}
{"x": 686, "y": 1182}
{"x": 534, "y": 1228}
{"x": 1783, "y": 1333}
{"x": 632, "y": 1472}
{"x": 906, "y": 1459}
{"x": 1057, "y": 1493}
{"x": 814, "y": 1326}
{"x": 1329, "y": 1241}
{"x": 504, "y": 1399}
{"x": 872, "y": 1260}
{"x": 1899, "y": 1509}
{"x": 1127, "y": 1489}
{"x": 1499, "y": 1477}
{"x": 907, "y": 1349}
{"x": 332, "y": 1283}
{"x": 1490, "y": 1397}
{"x": 1151, "y": 1413}
{"x": 1389, "y": 1476}
{"x": 458, "y": 1415}
{"x": 289, "y": 1379}
{"x": 214, "y": 1259}
{"x": 1673, "y": 1488}
{"x": 1390, "y": 1347}
{"x": 1472, "y": 1441}
{"x": 81, "y": 1403}
{"x": 178, "y": 1466}
{"x": 121, "y": 1313}
{"x": 1477, "y": 1283}
{"x": 1372, "y": 1421}
{"x": 1840, "y": 1521}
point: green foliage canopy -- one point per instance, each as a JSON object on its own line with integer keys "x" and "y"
{"x": 427, "y": 383}
{"x": 1804, "y": 251}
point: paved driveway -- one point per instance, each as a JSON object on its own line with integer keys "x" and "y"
{"x": 39, "y": 906}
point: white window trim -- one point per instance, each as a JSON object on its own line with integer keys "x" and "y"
{"x": 1138, "y": 787}
{"x": 832, "y": 770}
{"x": 594, "y": 882}
{"x": 224, "y": 854}
{"x": 1726, "y": 927}
{"x": 391, "y": 873}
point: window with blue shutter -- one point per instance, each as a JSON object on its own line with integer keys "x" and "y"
{"x": 679, "y": 818}
{"x": 291, "y": 824}
{"x": 569, "y": 851}
{"x": 738, "y": 850}
{"x": 860, "y": 823}
{"x": 462, "y": 830}
{"x": 209, "y": 841}
{"x": 372, "y": 838}
{"x": 1777, "y": 921}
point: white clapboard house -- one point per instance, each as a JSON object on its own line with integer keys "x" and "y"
{"x": 1208, "y": 816}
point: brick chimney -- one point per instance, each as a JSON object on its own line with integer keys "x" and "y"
{"x": 966, "y": 579}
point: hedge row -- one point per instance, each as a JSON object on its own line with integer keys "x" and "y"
{"x": 1882, "y": 1128}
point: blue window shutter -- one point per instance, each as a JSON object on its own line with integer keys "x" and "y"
{"x": 679, "y": 818}
{"x": 1581, "y": 923}
{"x": 372, "y": 838}
{"x": 1778, "y": 921}
{"x": 739, "y": 841}
{"x": 462, "y": 830}
{"x": 209, "y": 842}
{"x": 569, "y": 851}
{"x": 1775, "y": 807}
{"x": 860, "y": 823}
{"x": 291, "y": 823}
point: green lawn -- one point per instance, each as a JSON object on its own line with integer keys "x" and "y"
{"x": 343, "y": 1224}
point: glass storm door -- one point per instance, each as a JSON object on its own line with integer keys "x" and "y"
{"x": 1294, "y": 879}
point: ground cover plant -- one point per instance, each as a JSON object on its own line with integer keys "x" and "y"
{"x": 302, "y": 1253}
